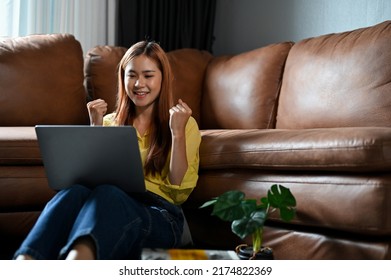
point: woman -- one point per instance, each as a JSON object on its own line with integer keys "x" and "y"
{"x": 106, "y": 223}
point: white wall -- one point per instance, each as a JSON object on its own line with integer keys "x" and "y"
{"x": 243, "y": 25}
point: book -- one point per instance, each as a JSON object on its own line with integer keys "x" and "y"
{"x": 187, "y": 254}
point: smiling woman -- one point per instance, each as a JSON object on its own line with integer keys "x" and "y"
{"x": 92, "y": 22}
{"x": 143, "y": 80}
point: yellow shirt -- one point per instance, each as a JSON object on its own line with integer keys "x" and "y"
{"x": 160, "y": 183}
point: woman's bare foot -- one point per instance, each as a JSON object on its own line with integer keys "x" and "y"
{"x": 24, "y": 258}
{"x": 84, "y": 249}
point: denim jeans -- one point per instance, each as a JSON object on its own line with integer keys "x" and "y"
{"x": 119, "y": 224}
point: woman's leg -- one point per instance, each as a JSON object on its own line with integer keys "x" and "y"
{"x": 52, "y": 228}
{"x": 118, "y": 225}
{"x": 166, "y": 225}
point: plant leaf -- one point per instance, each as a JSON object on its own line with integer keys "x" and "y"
{"x": 248, "y": 206}
{"x": 248, "y": 225}
{"x": 264, "y": 202}
{"x": 281, "y": 198}
{"x": 228, "y": 206}
{"x": 287, "y": 214}
{"x": 208, "y": 203}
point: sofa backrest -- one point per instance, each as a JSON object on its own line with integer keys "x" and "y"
{"x": 41, "y": 81}
{"x": 241, "y": 91}
{"x": 338, "y": 80}
{"x": 189, "y": 68}
{"x": 100, "y": 70}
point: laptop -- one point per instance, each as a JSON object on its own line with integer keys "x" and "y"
{"x": 91, "y": 156}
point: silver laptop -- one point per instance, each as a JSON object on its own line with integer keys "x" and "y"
{"x": 91, "y": 156}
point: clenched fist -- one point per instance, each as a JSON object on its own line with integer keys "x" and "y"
{"x": 179, "y": 115}
{"x": 96, "y": 110}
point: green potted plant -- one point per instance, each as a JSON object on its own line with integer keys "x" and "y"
{"x": 248, "y": 216}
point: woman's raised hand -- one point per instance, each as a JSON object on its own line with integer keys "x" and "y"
{"x": 96, "y": 110}
{"x": 179, "y": 115}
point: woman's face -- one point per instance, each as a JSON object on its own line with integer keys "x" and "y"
{"x": 142, "y": 81}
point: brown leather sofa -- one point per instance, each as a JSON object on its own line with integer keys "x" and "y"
{"x": 314, "y": 116}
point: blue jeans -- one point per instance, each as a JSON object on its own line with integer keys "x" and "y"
{"x": 119, "y": 224}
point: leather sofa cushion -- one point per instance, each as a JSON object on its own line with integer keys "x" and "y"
{"x": 41, "y": 78}
{"x": 100, "y": 70}
{"x": 188, "y": 67}
{"x": 23, "y": 188}
{"x": 335, "y": 149}
{"x": 338, "y": 80}
{"x": 337, "y": 201}
{"x": 19, "y": 146}
{"x": 241, "y": 91}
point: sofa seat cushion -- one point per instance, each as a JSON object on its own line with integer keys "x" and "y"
{"x": 360, "y": 149}
{"x": 19, "y": 146}
{"x": 23, "y": 188}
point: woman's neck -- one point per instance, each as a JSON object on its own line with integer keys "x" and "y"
{"x": 143, "y": 120}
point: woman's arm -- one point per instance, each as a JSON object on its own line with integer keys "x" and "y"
{"x": 179, "y": 115}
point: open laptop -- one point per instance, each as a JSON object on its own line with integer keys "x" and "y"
{"x": 91, "y": 156}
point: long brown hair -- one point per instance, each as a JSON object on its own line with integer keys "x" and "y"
{"x": 159, "y": 133}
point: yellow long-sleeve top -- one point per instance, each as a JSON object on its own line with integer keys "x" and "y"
{"x": 160, "y": 183}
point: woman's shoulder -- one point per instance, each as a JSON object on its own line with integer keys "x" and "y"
{"x": 192, "y": 123}
{"x": 192, "y": 129}
{"x": 109, "y": 119}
